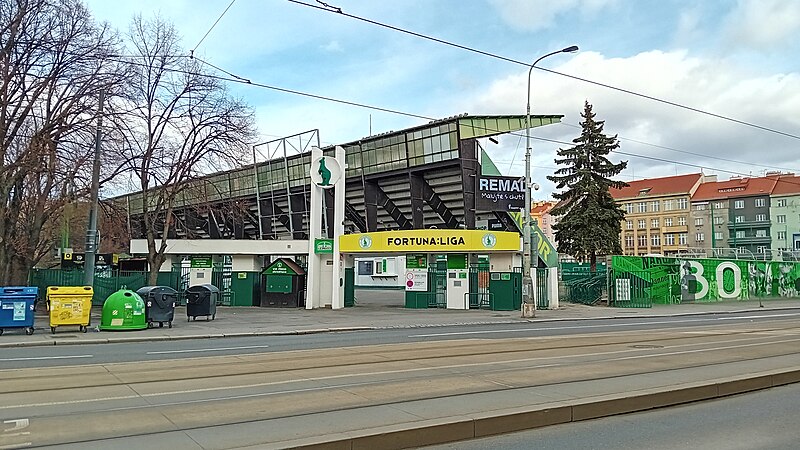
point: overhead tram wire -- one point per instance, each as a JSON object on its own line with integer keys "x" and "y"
{"x": 191, "y": 52}
{"x": 526, "y": 64}
{"x": 239, "y": 79}
{"x": 664, "y": 147}
{"x": 242, "y": 80}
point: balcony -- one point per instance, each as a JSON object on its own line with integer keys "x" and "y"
{"x": 749, "y": 224}
{"x": 734, "y": 241}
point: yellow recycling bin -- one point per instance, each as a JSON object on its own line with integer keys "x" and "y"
{"x": 70, "y": 305}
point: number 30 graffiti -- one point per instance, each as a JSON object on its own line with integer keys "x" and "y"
{"x": 693, "y": 271}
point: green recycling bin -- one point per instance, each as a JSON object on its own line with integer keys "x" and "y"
{"x": 123, "y": 310}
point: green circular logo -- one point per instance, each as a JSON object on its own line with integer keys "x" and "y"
{"x": 489, "y": 240}
{"x": 365, "y": 242}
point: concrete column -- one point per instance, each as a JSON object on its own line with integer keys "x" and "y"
{"x": 314, "y": 231}
{"x": 337, "y": 299}
{"x": 552, "y": 286}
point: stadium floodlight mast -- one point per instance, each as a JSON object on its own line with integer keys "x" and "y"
{"x": 528, "y": 302}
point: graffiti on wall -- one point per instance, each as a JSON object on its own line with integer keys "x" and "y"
{"x": 674, "y": 280}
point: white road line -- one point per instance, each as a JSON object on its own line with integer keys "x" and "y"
{"x": 40, "y": 358}
{"x": 611, "y": 325}
{"x": 217, "y": 349}
{"x": 385, "y": 372}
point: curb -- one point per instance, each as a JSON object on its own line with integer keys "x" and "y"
{"x": 120, "y": 340}
{"x": 479, "y": 425}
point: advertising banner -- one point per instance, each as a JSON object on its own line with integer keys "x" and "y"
{"x": 500, "y": 193}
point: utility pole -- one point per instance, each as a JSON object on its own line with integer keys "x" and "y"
{"x": 92, "y": 240}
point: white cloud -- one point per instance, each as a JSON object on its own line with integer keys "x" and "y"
{"x": 763, "y": 24}
{"x": 528, "y": 15}
{"x": 711, "y": 85}
{"x": 333, "y": 47}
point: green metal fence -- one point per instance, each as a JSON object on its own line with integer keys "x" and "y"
{"x": 630, "y": 289}
{"x": 586, "y": 288}
{"x": 107, "y": 282}
{"x": 542, "y": 298}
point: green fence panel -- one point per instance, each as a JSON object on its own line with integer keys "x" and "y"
{"x": 542, "y": 298}
{"x": 587, "y": 289}
{"x": 631, "y": 289}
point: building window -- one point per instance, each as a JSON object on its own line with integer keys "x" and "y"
{"x": 698, "y": 222}
{"x": 642, "y": 241}
{"x": 719, "y": 220}
{"x": 656, "y": 240}
{"x": 700, "y": 207}
{"x": 781, "y": 203}
{"x": 761, "y": 202}
{"x": 761, "y": 233}
{"x": 720, "y": 205}
{"x": 683, "y": 203}
{"x": 654, "y": 206}
{"x": 682, "y": 221}
{"x": 700, "y": 237}
{"x": 682, "y": 239}
{"x": 629, "y": 208}
{"x": 668, "y": 222}
{"x": 738, "y": 204}
{"x": 740, "y": 234}
{"x": 718, "y": 235}
{"x": 629, "y": 240}
{"x": 642, "y": 224}
{"x": 669, "y": 239}
{"x": 628, "y": 224}
{"x": 761, "y": 217}
{"x": 642, "y": 207}
{"x": 781, "y": 235}
{"x": 669, "y": 205}
{"x": 654, "y": 223}
{"x": 761, "y": 249}
{"x": 781, "y": 218}
{"x": 739, "y": 219}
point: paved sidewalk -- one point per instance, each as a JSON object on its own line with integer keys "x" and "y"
{"x": 374, "y": 310}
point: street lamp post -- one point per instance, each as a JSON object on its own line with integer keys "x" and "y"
{"x": 528, "y": 302}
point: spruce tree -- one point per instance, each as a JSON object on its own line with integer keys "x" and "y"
{"x": 590, "y": 220}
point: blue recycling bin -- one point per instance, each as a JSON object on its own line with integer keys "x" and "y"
{"x": 17, "y": 307}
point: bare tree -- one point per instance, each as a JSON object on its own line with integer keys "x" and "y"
{"x": 53, "y": 64}
{"x": 182, "y": 122}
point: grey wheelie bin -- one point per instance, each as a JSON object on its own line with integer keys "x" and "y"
{"x": 201, "y": 300}
{"x": 159, "y": 302}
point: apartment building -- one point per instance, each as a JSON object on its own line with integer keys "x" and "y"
{"x": 657, "y": 213}
{"x": 540, "y": 213}
{"x": 785, "y": 215}
{"x": 746, "y": 224}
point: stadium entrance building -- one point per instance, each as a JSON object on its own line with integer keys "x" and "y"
{"x": 434, "y": 177}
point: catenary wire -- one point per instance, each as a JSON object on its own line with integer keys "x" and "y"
{"x": 523, "y": 63}
{"x": 212, "y": 27}
{"x": 392, "y": 111}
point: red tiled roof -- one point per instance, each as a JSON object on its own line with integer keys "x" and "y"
{"x": 735, "y": 187}
{"x": 542, "y": 208}
{"x": 787, "y": 184}
{"x": 680, "y": 184}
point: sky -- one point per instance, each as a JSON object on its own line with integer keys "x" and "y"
{"x": 695, "y": 60}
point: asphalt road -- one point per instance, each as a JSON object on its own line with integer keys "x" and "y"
{"x": 767, "y": 420}
{"x": 258, "y": 397}
{"x": 76, "y": 355}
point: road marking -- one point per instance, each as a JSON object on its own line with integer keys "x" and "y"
{"x": 611, "y": 325}
{"x": 217, "y": 349}
{"x": 383, "y": 372}
{"x": 40, "y": 358}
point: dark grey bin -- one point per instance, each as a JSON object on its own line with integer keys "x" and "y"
{"x": 201, "y": 300}
{"x": 159, "y": 302}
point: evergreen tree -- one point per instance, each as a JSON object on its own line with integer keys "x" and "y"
{"x": 590, "y": 220}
